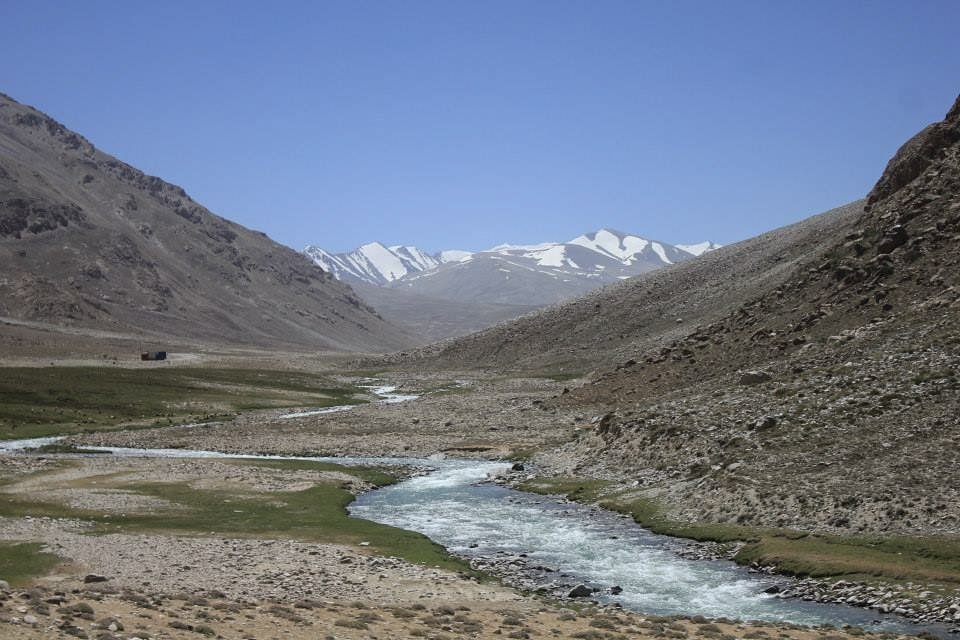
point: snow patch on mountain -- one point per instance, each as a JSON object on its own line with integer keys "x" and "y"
{"x": 619, "y": 246}
{"x": 700, "y": 248}
{"x": 454, "y": 255}
{"x": 660, "y": 251}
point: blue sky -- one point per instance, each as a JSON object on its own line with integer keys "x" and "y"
{"x": 456, "y": 124}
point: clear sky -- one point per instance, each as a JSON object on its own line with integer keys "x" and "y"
{"x": 456, "y": 124}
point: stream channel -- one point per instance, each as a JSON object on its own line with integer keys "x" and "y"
{"x": 559, "y": 544}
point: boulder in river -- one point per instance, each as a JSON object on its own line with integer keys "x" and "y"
{"x": 580, "y": 591}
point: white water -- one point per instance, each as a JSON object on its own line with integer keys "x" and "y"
{"x": 387, "y": 396}
{"x": 590, "y": 545}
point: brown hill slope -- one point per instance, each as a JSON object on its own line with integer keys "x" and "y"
{"x": 895, "y": 271}
{"x": 614, "y": 323}
{"x": 826, "y": 402}
{"x": 89, "y": 241}
{"x": 805, "y": 378}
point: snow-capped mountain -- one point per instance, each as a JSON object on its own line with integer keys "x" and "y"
{"x": 605, "y": 255}
{"x": 453, "y": 292}
{"x": 374, "y": 263}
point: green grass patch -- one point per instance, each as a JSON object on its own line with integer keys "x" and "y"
{"x": 583, "y": 490}
{"x": 934, "y": 560}
{"x": 315, "y": 514}
{"x": 318, "y": 513}
{"x": 19, "y": 562}
{"x": 45, "y": 401}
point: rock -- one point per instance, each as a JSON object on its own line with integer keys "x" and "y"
{"x": 30, "y": 619}
{"x": 4, "y": 585}
{"x": 580, "y": 591}
{"x": 895, "y": 237}
{"x": 73, "y": 630}
{"x": 517, "y": 466}
{"x": 93, "y": 577}
{"x": 616, "y": 590}
{"x": 754, "y": 377}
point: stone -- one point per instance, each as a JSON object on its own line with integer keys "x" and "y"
{"x": 93, "y": 577}
{"x": 30, "y": 619}
{"x": 754, "y": 377}
{"x": 766, "y": 422}
{"x": 580, "y": 591}
{"x": 517, "y": 466}
{"x": 895, "y": 237}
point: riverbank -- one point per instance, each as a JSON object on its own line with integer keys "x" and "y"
{"x": 917, "y": 578}
{"x": 102, "y": 611}
{"x": 122, "y": 559}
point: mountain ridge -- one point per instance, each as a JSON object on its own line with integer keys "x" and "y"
{"x": 469, "y": 291}
{"x": 376, "y": 263}
{"x": 87, "y": 240}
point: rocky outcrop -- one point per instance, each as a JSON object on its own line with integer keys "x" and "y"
{"x": 918, "y": 153}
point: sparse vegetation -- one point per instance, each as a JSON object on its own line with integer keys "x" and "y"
{"x": 379, "y": 476}
{"x": 45, "y": 401}
{"x": 930, "y": 559}
{"x": 21, "y": 561}
{"x": 318, "y": 513}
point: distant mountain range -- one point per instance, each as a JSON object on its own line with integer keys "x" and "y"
{"x": 466, "y": 291}
{"x": 580, "y": 264}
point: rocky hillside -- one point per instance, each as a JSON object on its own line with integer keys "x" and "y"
{"x": 87, "y": 241}
{"x": 805, "y": 378}
{"x": 825, "y": 400}
{"x": 614, "y": 323}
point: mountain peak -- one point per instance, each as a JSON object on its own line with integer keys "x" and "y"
{"x": 600, "y": 256}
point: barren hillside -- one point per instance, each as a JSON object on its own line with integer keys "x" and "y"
{"x": 643, "y": 313}
{"x": 89, "y": 241}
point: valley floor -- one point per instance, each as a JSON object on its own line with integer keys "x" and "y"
{"x": 241, "y": 549}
